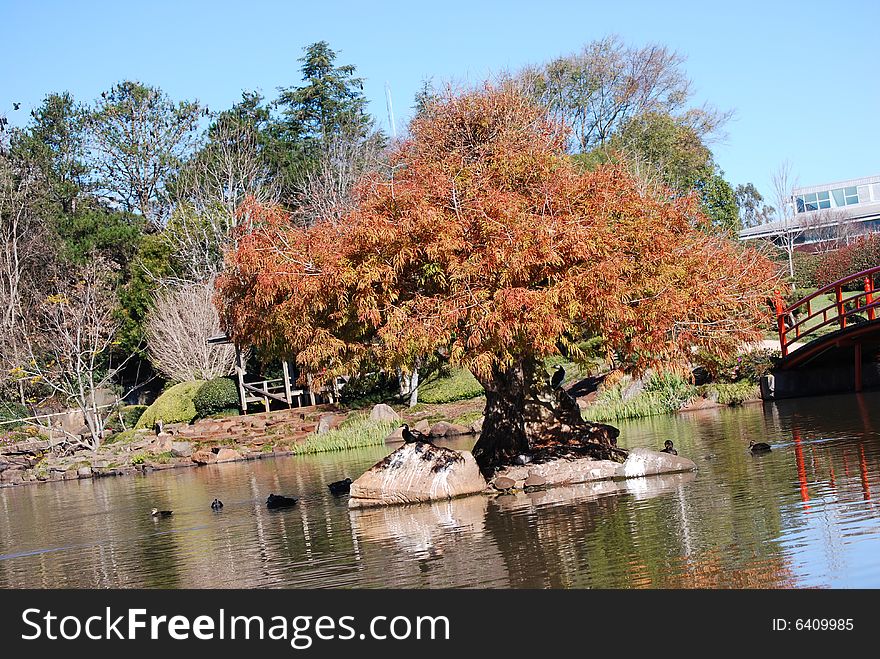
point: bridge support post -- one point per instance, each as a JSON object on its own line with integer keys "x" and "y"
{"x": 841, "y": 311}
{"x": 857, "y": 349}
{"x": 869, "y": 297}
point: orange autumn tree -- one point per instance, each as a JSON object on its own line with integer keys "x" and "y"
{"x": 484, "y": 243}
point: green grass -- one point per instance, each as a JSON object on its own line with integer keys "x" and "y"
{"x": 661, "y": 395}
{"x": 123, "y": 437}
{"x": 733, "y": 393}
{"x": 467, "y": 418}
{"x": 459, "y": 385}
{"x": 353, "y": 433}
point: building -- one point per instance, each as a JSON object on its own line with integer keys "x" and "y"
{"x": 824, "y": 213}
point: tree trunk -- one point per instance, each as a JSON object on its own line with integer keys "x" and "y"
{"x": 524, "y": 415}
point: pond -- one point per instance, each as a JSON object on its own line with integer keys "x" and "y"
{"x": 803, "y": 515}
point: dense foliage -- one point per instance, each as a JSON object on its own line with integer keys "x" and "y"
{"x": 216, "y": 396}
{"x": 484, "y": 241}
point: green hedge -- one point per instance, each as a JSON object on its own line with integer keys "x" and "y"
{"x": 216, "y": 396}
{"x": 175, "y": 405}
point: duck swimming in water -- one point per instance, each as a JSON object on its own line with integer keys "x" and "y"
{"x": 669, "y": 448}
{"x": 216, "y": 504}
{"x": 279, "y": 501}
{"x": 340, "y": 487}
{"x": 759, "y": 447}
{"x": 155, "y": 512}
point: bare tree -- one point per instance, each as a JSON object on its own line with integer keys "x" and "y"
{"x": 70, "y": 352}
{"x": 326, "y": 192}
{"x": 182, "y": 319}
{"x": 25, "y": 262}
{"x": 792, "y": 229}
{"x": 608, "y": 82}
{"x": 828, "y": 229}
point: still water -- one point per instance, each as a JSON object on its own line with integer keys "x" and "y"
{"x": 804, "y": 515}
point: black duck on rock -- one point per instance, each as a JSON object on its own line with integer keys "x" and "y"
{"x": 412, "y": 436}
{"x": 280, "y": 501}
{"x": 669, "y": 448}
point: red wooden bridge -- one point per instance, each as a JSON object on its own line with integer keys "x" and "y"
{"x": 826, "y": 331}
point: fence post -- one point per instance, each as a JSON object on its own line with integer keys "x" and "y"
{"x": 869, "y": 296}
{"x": 780, "y": 323}
{"x": 841, "y": 312}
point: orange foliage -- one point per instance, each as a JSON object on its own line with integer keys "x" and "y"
{"x": 484, "y": 241}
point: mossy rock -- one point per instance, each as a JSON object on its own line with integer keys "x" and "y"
{"x": 174, "y": 406}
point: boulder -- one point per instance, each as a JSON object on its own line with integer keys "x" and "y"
{"x": 423, "y": 427}
{"x": 181, "y": 449}
{"x": 164, "y": 443}
{"x": 395, "y": 436}
{"x": 228, "y": 455}
{"x": 204, "y": 457}
{"x": 646, "y": 462}
{"x": 325, "y": 423}
{"x": 477, "y": 426}
{"x": 84, "y": 472}
{"x": 384, "y": 413}
{"x": 444, "y": 429}
{"x": 258, "y": 424}
{"x": 415, "y": 473}
{"x": 564, "y": 471}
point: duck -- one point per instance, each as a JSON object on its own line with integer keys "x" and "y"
{"x": 155, "y": 512}
{"x": 216, "y": 504}
{"x": 280, "y": 501}
{"x": 340, "y": 487}
{"x": 759, "y": 447}
{"x": 411, "y": 436}
{"x": 668, "y": 448}
{"x": 558, "y": 377}
{"x": 522, "y": 459}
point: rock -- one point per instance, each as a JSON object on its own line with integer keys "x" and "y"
{"x": 29, "y": 446}
{"x": 164, "y": 442}
{"x": 258, "y": 424}
{"x": 395, "y": 437}
{"x": 84, "y": 472}
{"x": 383, "y": 412}
{"x": 324, "y": 423}
{"x": 415, "y": 473}
{"x": 477, "y": 426}
{"x": 423, "y": 427}
{"x": 444, "y": 429}
{"x": 228, "y": 455}
{"x": 535, "y": 480}
{"x": 181, "y": 449}
{"x": 503, "y": 483}
{"x": 646, "y": 462}
{"x": 204, "y": 457}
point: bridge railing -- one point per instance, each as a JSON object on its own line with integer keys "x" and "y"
{"x": 843, "y": 311}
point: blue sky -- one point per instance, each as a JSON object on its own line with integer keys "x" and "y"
{"x": 800, "y": 76}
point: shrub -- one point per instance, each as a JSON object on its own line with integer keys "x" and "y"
{"x": 216, "y": 396}
{"x": 10, "y": 411}
{"x": 460, "y": 384}
{"x": 805, "y": 266}
{"x": 733, "y": 393}
{"x": 174, "y": 406}
{"x": 663, "y": 393}
{"x": 860, "y": 255}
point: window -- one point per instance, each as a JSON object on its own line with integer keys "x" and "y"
{"x": 813, "y": 201}
{"x": 852, "y": 195}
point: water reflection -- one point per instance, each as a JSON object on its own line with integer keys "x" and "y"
{"x": 801, "y": 515}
